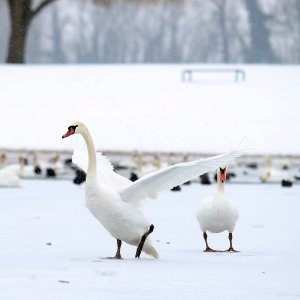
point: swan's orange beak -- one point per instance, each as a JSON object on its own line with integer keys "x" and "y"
{"x": 223, "y": 177}
{"x": 68, "y": 133}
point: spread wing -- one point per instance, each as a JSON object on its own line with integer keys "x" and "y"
{"x": 152, "y": 184}
{"x": 105, "y": 170}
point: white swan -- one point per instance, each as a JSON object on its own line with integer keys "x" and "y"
{"x": 273, "y": 175}
{"x": 3, "y": 159}
{"x": 23, "y": 169}
{"x": 9, "y": 178}
{"x": 56, "y": 164}
{"x": 114, "y": 201}
{"x": 217, "y": 213}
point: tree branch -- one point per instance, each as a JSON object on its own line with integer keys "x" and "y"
{"x": 41, "y": 6}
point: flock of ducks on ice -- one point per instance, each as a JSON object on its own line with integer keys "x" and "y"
{"x": 115, "y": 200}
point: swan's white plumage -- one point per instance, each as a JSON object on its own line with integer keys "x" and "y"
{"x": 9, "y": 178}
{"x": 151, "y": 185}
{"x": 105, "y": 170}
{"x": 273, "y": 175}
{"x": 120, "y": 219}
{"x": 22, "y": 171}
{"x": 217, "y": 214}
{"x": 114, "y": 199}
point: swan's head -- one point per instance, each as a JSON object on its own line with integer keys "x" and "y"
{"x": 75, "y": 128}
{"x": 222, "y": 173}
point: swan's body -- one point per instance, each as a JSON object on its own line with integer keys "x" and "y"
{"x": 21, "y": 170}
{"x": 122, "y": 220}
{"x": 9, "y": 178}
{"x": 56, "y": 165}
{"x": 273, "y": 175}
{"x": 115, "y": 200}
{"x": 217, "y": 213}
{"x": 3, "y": 159}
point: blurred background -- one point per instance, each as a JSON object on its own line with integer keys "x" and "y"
{"x": 167, "y": 80}
{"x": 150, "y": 31}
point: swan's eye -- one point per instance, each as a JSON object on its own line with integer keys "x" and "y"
{"x": 73, "y": 127}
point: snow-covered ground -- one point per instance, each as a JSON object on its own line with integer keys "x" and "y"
{"x": 148, "y": 107}
{"x": 267, "y": 235}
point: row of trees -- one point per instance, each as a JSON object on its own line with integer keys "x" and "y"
{"x": 86, "y": 31}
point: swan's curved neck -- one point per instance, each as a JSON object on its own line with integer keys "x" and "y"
{"x": 92, "y": 167}
{"x": 221, "y": 186}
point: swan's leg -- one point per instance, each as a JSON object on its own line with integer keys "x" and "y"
{"x": 118, "y": 253}
{"x": 208, "y": 249}
{"x": 230, "y": 249}
{"x": 142, "y": 242}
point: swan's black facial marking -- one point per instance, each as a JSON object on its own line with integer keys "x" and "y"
{"x": 222, "y": 170}
{"x": 73, "y": 127}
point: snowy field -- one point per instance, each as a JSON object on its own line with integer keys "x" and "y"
{"x": 41, "y": 212}
{"x": 148, "y": 107}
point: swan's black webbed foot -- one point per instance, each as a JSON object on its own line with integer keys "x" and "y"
{"x": 208, "y": 249}
{"x": 230, "y": 249}
{"x": 142, "y": 242}
{"x": 114, "y": 257}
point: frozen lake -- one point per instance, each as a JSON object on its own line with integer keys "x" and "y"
{"x": 267, "y": 235}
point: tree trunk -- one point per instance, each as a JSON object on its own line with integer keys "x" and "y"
{"x": 260, "y": 50}
{"x": 20, "y": 16}
{"x": 223, "y": 27}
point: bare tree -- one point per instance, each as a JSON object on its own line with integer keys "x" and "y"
{"x": 260, "y": 49}
{"x": 21, "y": 15}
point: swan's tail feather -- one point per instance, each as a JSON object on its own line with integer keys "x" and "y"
{"x": 151, "y": 251}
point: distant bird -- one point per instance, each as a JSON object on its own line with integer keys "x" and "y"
{"x": 3, "y": 159}
{"x": 39, "y": 165}
{"x": 270, "y": 174}
{"x": 133, "y": 177}
{"x": 22, "y": 169}
{"x": 217, "y": 213}
{"x": 80, "y": 175}
{"x": 185, "y": 158}
{"x": 9, "y": 178}
{"x": 204, "y": 179}
{"x": 176, "y": 188}
{"x": 115, "y": 200}
{"x": 286, "y": 183}
{"x": 55, "y": 166}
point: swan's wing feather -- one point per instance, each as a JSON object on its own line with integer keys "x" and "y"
{"x": 105, "y": 172}
{"x": 151, "y": 185}
{"x": 115, "y": 180}
{"x": 80, "y": 158}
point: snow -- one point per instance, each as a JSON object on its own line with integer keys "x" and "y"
{"x": 267, "y": 235}
{"x": 148, "y": 107}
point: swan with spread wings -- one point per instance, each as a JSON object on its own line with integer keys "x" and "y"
{"x": 115, "y": 201}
